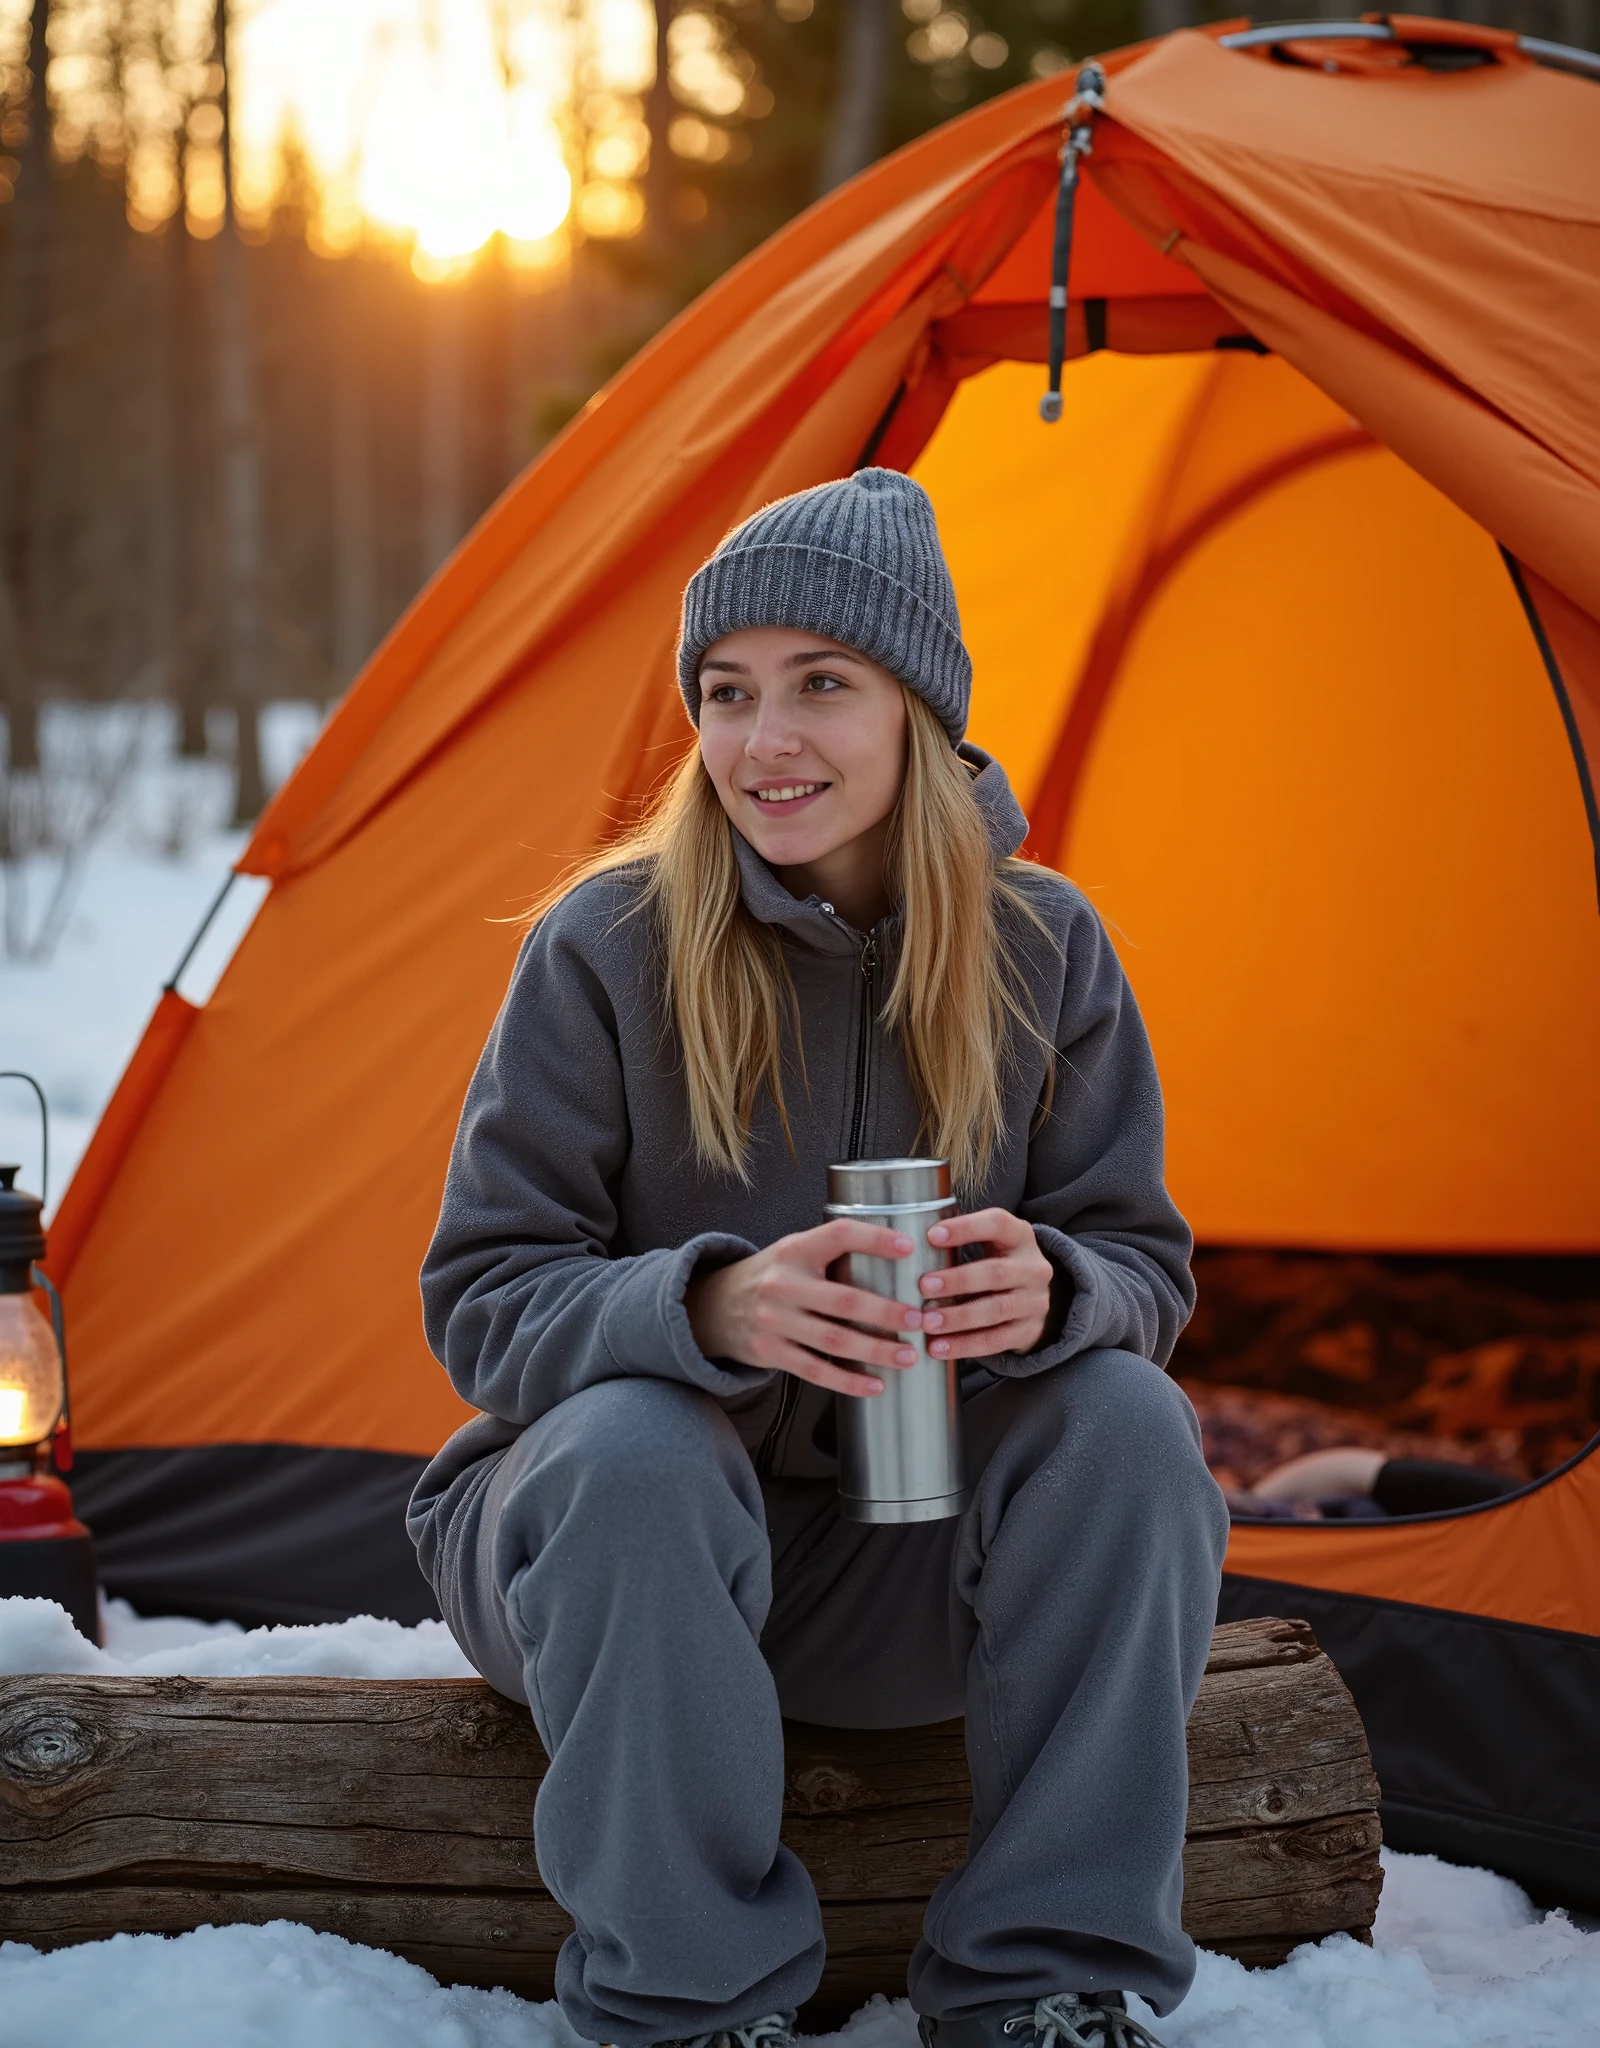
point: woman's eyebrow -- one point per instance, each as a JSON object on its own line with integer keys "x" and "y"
{"x": 817, "y": 654}
{"x": 725, "y": 668}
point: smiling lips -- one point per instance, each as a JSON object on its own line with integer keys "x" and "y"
{"x": 773, "y": 794}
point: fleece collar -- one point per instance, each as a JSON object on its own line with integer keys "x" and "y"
{"x": 817, "y": 925}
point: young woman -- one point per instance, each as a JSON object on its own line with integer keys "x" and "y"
{"x": 819, "y": 947}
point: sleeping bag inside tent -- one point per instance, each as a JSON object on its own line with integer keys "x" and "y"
{"x": 1289, "y": 635}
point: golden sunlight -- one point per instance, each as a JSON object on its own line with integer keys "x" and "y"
{"x": 439, "y": 122}
{"x": 435, "y": 125}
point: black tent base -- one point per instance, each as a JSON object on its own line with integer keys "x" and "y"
{"x": 1482, "y": 1731}
{"x": 59, "y": 1568}
{"x": 256, "y": 1533}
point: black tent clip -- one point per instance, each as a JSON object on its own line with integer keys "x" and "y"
{"x": 1079, "y": 113}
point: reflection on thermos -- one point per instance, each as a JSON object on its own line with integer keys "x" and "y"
{"x": 899, "y": 1451}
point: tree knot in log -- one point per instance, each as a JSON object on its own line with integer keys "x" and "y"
{"x": 823, "y": 1788}
{"x": 43, "y": 1743}
{"x": 482, "y": 1723}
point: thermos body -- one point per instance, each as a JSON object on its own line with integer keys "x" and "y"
{"x": 900, "y": 1454}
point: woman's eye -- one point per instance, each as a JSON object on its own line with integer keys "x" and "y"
{"x": 821, "y": 681}
{"x": 724, "y": 693}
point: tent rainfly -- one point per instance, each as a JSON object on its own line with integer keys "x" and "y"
{"x": 1289, "y": 632}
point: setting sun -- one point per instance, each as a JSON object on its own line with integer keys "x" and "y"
{"x": 441, "y": 122}
{"x": 432, "y": 125}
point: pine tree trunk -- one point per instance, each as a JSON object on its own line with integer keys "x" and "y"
{"x": 1161, "y": 17}
{"x": 28, "y": 305}
{"x": 658, "y": 119}
{"x": 855, "y": 126}
{"x": 239, "y": 480}
{"x": 442, "y": 409}
{"x": 157, "y": 414}
{"x": 194, "y": 685}
{"x": 355, "y": 539}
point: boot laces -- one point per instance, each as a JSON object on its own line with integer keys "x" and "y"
{"x": 1067, "y": 2021}
{"x": 774, "y": 2030}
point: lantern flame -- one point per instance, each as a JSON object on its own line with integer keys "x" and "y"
{"x": 32, "y": 1382}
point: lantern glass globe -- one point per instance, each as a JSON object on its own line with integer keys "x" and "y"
{"x": 31, "y": 1379}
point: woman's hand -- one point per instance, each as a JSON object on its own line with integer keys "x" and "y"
{"x": 997, "y": 1303}
{"x": 778, "y": 1309}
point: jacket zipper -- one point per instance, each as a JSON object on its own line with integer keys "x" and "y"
{"x": 789, "y": 1397}
{"x": 869, "y": 1007}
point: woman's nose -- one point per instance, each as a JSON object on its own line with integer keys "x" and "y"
{"x": 773, "y": 737}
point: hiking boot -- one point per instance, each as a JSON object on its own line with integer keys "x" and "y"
{"x": 1068, "y": 2019}
{"x": 774, "y": 2030}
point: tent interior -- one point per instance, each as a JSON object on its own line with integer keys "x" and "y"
{"x": 1325, "y": 800}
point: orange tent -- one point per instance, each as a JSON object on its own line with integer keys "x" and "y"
{"x": 1290, "y": 633}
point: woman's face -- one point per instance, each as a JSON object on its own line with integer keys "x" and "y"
{"x": 805, "y": 741}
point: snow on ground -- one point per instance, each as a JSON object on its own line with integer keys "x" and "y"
{"x": 1460, "y": 1959}
{"x": 74, "y": 1019}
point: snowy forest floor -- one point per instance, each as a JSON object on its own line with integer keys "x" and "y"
{"x": 1461, "y": 1958}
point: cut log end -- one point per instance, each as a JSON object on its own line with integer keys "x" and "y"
{"x": 398, "y": 1813}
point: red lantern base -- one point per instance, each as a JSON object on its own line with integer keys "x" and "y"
{"x": 46, "y": 1553}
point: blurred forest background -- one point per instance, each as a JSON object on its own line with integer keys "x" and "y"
{"x": 291, "y": 289}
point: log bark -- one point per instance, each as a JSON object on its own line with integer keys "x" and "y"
{"x": 398, "y": 1813}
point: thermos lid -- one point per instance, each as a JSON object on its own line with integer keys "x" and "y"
{"x": 888, "y": 1183}
{"x": 21, "y": 1233}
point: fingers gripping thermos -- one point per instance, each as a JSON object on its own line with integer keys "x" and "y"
{"x": 900, "y": 1456}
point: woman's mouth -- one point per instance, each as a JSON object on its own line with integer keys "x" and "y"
{"x": 787, "y": 796}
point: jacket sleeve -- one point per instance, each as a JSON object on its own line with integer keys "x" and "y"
{"x": 524, "y": 1301}
{"x": 1097, "y": 1196}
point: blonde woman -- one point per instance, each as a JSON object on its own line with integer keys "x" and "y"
{"x": 820, "y": 947}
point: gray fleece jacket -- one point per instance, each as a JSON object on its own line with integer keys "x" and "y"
{"x": 574, "y": 1212}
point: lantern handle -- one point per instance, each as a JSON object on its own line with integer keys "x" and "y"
{"x": 15, "y": 1074}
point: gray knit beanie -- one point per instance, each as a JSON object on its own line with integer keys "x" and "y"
{"x": 858, "y": 561}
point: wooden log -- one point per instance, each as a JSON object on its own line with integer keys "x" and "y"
{"x": 398, "y": 1813}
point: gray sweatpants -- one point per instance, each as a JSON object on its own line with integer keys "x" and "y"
{"x": 621, "y": 1569}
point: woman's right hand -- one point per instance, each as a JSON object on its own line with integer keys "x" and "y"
{"x": 778, "y": 1309}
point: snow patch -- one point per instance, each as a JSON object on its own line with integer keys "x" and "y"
{"x": 1471, "y": 1966}
{"x": 38, "y": 1636}
{"x": 278, "y": 1986}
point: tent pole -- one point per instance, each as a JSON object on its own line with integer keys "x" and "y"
{"x": 170, "y": 985}
{"x": 1552, "y": 668}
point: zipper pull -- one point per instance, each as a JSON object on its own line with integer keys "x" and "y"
{"x": 869, "y": 957}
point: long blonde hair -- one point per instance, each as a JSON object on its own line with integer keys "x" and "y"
{"x": 956, "y": 998}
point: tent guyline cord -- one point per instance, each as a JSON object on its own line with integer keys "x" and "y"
{"x": 1078, "y": 113}
{"x": 170, "y": 985}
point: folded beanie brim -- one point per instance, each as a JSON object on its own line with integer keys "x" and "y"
{"x": 816, "y": 589}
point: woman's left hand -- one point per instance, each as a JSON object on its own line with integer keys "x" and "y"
{"x": 997, "y": 1303}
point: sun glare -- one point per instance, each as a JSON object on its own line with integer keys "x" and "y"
{"x": 439, "y": 123}
{"x": 431, "y": 125}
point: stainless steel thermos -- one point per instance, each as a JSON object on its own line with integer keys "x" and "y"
{"x": 899, "y": 1451}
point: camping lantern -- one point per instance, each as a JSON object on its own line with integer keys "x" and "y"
{"x": 45, "y": 1551}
